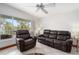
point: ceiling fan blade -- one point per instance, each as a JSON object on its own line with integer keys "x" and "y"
{"x": 44, "y": 10}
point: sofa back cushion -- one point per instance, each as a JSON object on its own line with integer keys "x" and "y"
{"x": 22, "y": 34}
{"x": 46, "y": 33}
{"x": 59, "y": 35}
{"x": 52, "y": 36}
{"x": 63, "y": 35}
{"x": 18, "y": 32}
{"x": 53, "y": 32}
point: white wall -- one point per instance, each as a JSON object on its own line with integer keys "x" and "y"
{"x": 61, "y": 21}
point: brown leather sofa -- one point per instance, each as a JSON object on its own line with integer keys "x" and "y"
{"x": 57, "y": 39}
{"x": 24, "y": 40}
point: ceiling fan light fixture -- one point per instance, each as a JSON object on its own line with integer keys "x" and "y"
{"x": 42, "y": 6}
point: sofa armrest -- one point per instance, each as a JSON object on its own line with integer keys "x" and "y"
{"x": 33, "y": 37}
{"x": 69, "y": 41}
{"x": 69, "y": 45}
{"x": 19, "y": 41}
{"x": 20, "y": 44}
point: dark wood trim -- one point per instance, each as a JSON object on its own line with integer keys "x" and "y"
{"x": 7, "y": 46}
{"x": 75, "y": 46}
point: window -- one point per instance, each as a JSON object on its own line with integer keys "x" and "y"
{"x": 10, "y": 24}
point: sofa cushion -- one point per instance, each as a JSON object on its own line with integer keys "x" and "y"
{"x": 24, "y": 36}
{"x": 53, "y": 32}
{"x": 28, "y": 41}
{"x": 49, "y": 40}
{"x": 20, "y": 32}
{"x": 41, "y": 38}
{"x": 46, "y": 31}
{"x": 61, "y": 45}
{"x": 62, "y": 37}
{"x": 52, "y": 36}
{"x": 46, "y": 35}
{"x": 59, "y": 42}
{"x": 63, "y": 33}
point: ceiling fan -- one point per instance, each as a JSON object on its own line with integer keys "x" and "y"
{"x": 42, "y": 6}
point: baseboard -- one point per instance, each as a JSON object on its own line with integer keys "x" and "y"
{"x": 7, "y": 47}
{"x": 75, "y": 46}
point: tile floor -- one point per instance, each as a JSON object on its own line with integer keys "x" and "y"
{"x": 40, "y": 48}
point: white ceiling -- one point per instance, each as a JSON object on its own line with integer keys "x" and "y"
{"x": 60, "y": 8}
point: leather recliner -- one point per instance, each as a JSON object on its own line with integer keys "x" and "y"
{"x": 57, "y": 39}
{"x": 24, "y": 40}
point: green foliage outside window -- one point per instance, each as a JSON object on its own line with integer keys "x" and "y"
{"x": 9, "y": 27}
{"x": 22, "y": 26}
